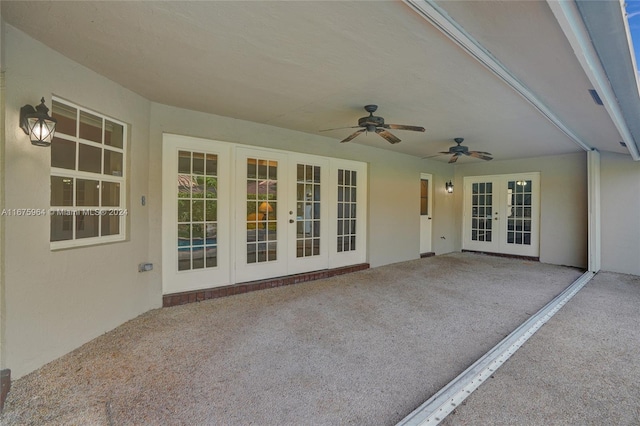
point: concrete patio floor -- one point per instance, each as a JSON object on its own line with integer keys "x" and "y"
{"x": 581, "y": 368}
{"x": 362, "y": 348}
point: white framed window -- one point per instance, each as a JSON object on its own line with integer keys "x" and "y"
{"x": 88, "y": 177}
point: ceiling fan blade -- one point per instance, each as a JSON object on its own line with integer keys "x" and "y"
{"x": 339, "y": 128}
{"x": 433, "y": 155}
{"x": 480, "y": 155}
{"x": 353, "y": 135}
{"x": 404, "y": 127}
{"x": 388, "y": 136}
{"x": 454, "y": 158}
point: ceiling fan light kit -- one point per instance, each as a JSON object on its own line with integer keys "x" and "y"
{"x": 375, "y": 124}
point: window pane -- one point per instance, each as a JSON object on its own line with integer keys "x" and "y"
{"x": 61, "y": 227}
{"x": 89, "y": 158}
{"x": 110, "y": 224}
{"x": 61, "y": 191}
{"x": 87, "y": 192}
{"x": 66, "y": 117}
{"x": 110, "y": 194}
{"x": 112, "y": 163}
{"x": 113, "y": 134}
{"x": 212, "y": 165}
{"x": 86, "y": 225}
{"x": 90, "y": 127}
{"x": 198, "y": 163}
{"x": 63, "y": 154}
{"x": 184, "y": 162}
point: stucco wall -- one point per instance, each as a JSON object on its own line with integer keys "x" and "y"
{"x": 620, "y": 227}
{"x": 56, "y": 301}
{"x": 563, "y": 202}
{"x": 394, "y": 179}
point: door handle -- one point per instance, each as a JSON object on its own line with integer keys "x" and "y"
{"x": 429, "y": 218}
{"x": 291, "y": 220}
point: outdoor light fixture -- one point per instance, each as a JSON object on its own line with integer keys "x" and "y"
{"x": 37, "y": 124}
{"x": 449, "y": 187}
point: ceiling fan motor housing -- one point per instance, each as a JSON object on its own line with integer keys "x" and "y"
{"x": 458, "y": 149}
{"x": 370, "y": 120}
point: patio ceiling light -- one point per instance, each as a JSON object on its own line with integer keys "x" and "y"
{"x": 37, "y": 123}
{"x": 449, "y": 187}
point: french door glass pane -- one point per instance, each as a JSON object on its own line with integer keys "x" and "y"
{"x": 482, "y": 211}
{"x": 307, "y": 210}
{"x": 197, "y": 210}
{"x": 262, "y": 208}
{"x": 519, "y": 198}
{"x": 347, "y": 196}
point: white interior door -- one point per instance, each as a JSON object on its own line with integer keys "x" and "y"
{"x": 425, "y": 212}
{"x": 501, "y": 214}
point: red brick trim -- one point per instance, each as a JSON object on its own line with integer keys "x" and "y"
{"x": 176, "y": 299}
{"x": 5, "y": 386}
{"x": 512, "y": 256}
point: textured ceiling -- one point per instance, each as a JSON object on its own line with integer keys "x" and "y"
{"x": 311, "y": 65}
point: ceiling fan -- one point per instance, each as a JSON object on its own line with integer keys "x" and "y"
{"x": 372, "y": 123}
{"x": 459, "y": 150}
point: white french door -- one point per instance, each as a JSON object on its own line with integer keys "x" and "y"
{"x": 286, "y": 222}
{"x": 234, "y": 213}
{"x": 195, "y": 215}
{"x": 501, "y": 214}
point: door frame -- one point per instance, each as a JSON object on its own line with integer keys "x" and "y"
{"x": 228, "y": 237}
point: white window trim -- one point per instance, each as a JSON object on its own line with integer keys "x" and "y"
{"x": 121, "y": 210}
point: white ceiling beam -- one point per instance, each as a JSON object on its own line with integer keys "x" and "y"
{"x": 439, "y": 18}
{"x": 570, "y": 20}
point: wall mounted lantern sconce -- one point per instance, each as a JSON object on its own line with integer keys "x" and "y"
{"x": 37, "y": 124}
{"x": 449, "y": 187}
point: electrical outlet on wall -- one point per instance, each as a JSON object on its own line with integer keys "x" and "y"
{"x": 144, "y": 267}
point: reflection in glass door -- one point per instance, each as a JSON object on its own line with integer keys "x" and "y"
{"x": 262, "y": 210}
{"x": 197, "y": 190}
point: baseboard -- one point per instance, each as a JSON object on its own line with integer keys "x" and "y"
{"x": 176, "y": 299}
{"x": 5, "y": 386}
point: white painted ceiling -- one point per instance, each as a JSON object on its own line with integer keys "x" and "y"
{"x": 312, "y": 65}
